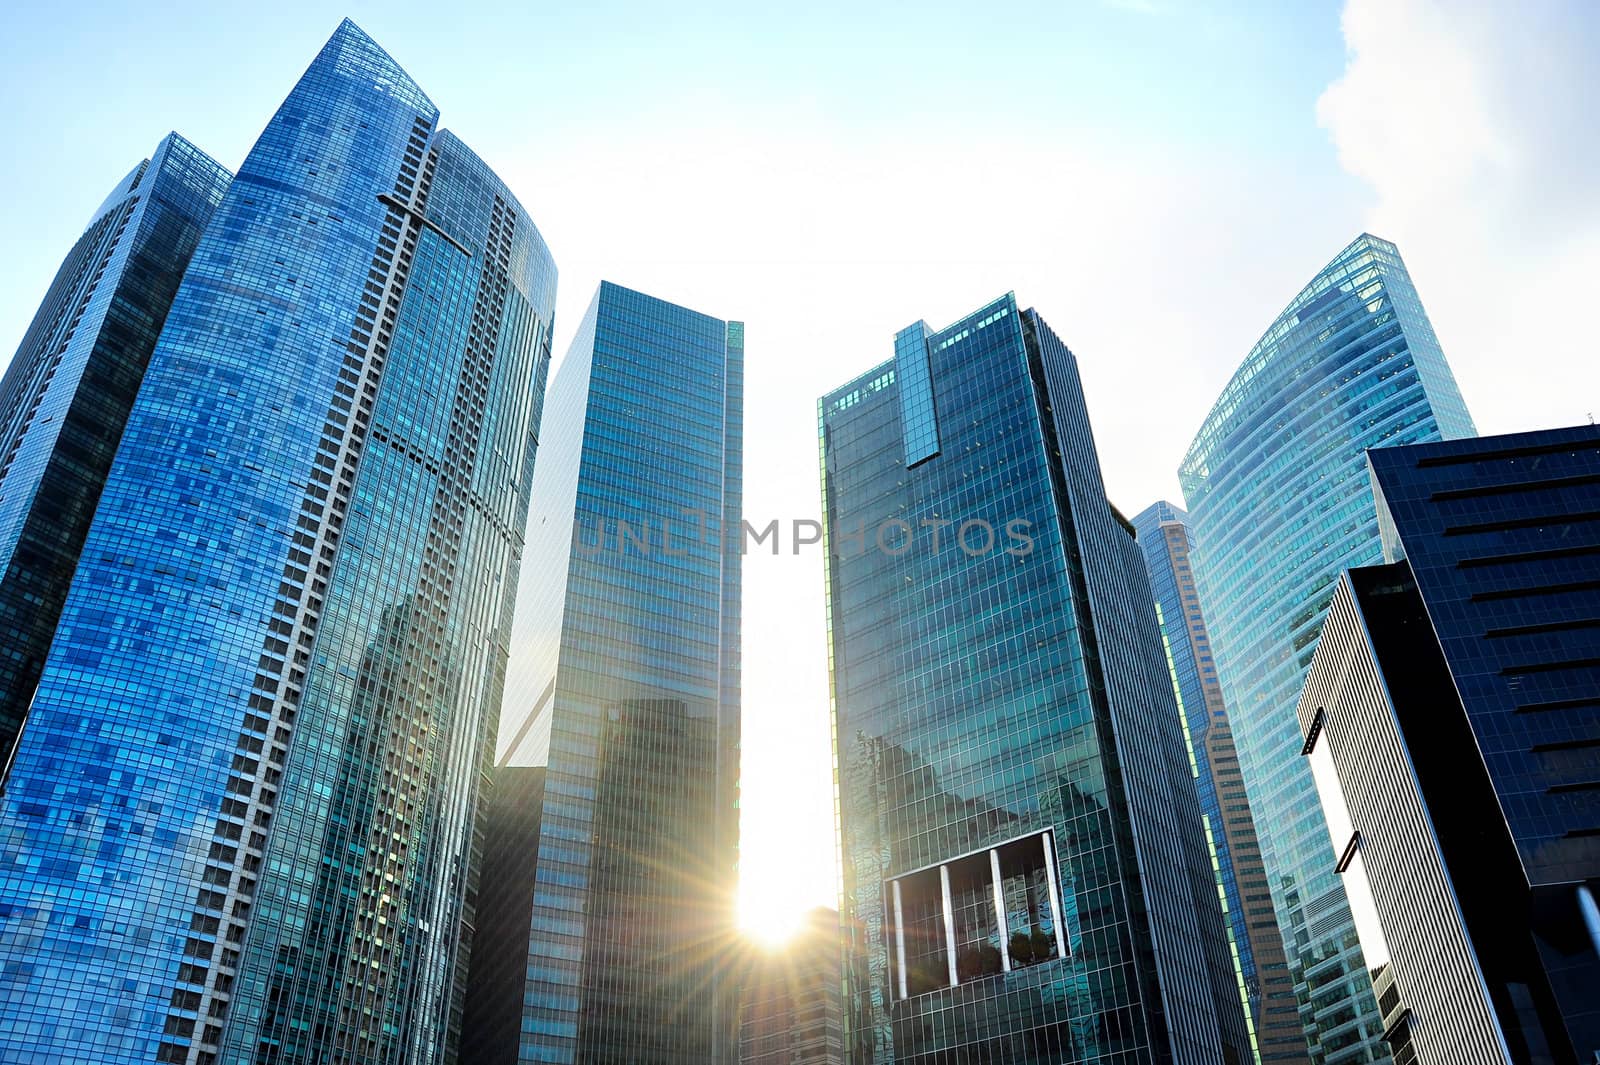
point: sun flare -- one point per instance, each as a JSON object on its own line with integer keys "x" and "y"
{"x": 770, "y": 915}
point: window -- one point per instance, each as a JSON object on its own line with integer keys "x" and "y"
{"x": 978, "y": 915}
{"x": 922, "y": 952}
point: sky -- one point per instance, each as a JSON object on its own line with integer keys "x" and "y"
{"x": 1158, "y": 179}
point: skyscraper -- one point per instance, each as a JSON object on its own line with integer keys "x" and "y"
{"x": 239, "y": 823}
{"x": 625, "y": 687}
{"x": 1452, "y": 722}
{"x": 791, "y": 1009}
{"x": 1167, "y": 542}
{"x": 491, "y": 1026}
{"x": 66, "y": 394}
{"x": 1278, "y": 499}
{"x": 1026, "y": 877}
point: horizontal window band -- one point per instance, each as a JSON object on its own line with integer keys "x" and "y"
{"x": 1542, "y": 589}
{"x": 1571, "y": 447}
{"x": 1543, "y": 554}
{"x": 1565, "y": 745}
{"x": 1575, "y": 625}
{"x": 1550, "y": 667}
{"x": 1535, "y": 522}
{"x": 1479, "y": 491}
{"x": 1555, "y": 704}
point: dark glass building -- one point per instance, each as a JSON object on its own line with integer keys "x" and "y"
{"x": 1274, "y": 1011}
{"x": 625, "y": 687}
{"x": 491, "y": 1026}
{"x": 239, "y": 825}
{"x": 1278, "y": 498}
{"x": 1452, "y": 722}
{"x": 1026, "y": 875}
{"x": 65, "y": 396}
{"x": 791, "y": 1003}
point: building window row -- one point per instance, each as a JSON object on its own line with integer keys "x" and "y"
{"x": 985, "y": 913}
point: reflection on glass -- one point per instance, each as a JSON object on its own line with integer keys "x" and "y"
{"x": 921, "y": 932}
{"x": 982, "y": 914}
{"x": 1030, "y": 917}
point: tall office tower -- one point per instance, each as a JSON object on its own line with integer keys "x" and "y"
{"x": 1279, "y": 501}
{"x": 1167, "y": 542}
{"x": 1026, "y": 876}
{"x": 239, "y": 825}
{"x": 791, "y": 1006}
{"x": 1452, "y": 719}
{"x": 491, "y": 1026}
{"x": 625, "y": 687}
{"x": 66, "y": 394}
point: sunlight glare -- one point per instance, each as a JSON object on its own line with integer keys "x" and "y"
{"x": 770, "y": 918}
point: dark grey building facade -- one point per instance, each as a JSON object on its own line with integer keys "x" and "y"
{"x": 492, "y": 1022}
{"x": 1026, "y": 877}
{"x": 1452, "y": 722}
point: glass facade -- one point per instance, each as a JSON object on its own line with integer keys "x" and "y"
{"x": 66, "y": 395}
{"x": 239, "y": 826}
{"x": 1167, "y": 543}
{"x": 491, "y": 1026}
{"x": 1026, "y": 877}
{"x": 1279, "y": 501}
{"x": 625, "y": 687}
{"x": 1503, "y": 535}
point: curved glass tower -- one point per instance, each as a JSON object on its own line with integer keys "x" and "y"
{"x": 239, "y": 823}
{"x": 66, "y": 395}
{"x": 1280, "y": 504}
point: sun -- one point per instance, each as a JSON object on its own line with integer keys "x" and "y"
{"x": 768, "y": 914}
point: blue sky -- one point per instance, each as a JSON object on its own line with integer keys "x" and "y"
{"x": 1157, "y": 178}
{"x": 1240, "y": 74}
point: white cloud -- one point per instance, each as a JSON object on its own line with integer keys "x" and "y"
{"x": 1474, "y": 127}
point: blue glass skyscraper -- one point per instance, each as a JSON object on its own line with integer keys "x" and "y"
{"x": 624, "y": 685}
{"x": 1026, "y": 877}
{"x": 1230, "y": 827}
{"x": 239, "y": 823}
{"x": 1278, "y": 497}
{"x": 66, "y": 394}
